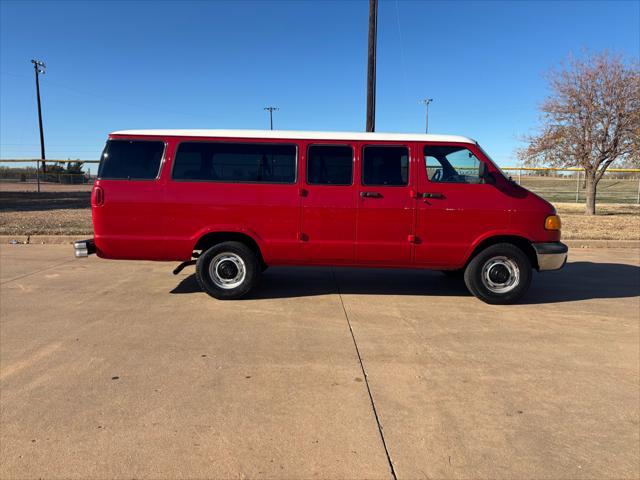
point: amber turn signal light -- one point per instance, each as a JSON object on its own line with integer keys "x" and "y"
{"x": 552, "y": 222}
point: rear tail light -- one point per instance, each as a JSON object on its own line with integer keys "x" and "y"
{"x": 97, "y": 196}
{"x": 552, "y": 222}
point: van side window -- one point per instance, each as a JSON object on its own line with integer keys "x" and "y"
{"x": 385, "y": 166}
{"x": 130, "y": 160}
{"x": 329, "y": 165}
{"x": 235, "y": 162}
{"x": 451, "y": 164}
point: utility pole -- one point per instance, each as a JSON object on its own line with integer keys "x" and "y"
{"x": 426, "y": 103}
{"x": 271, "y": 110}
{"x": 39, "y": 68}
{"x": 371, "y": 66}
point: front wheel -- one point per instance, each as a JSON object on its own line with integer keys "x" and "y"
{"x": 228, "y": 270}
{"x": 499, "y": 274}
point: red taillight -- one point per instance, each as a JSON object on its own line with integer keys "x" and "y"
{"x": 97, "y": 196}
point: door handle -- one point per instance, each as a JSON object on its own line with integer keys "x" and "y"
{"x": 432, "y": 195}
{"x": 370, "y": 195}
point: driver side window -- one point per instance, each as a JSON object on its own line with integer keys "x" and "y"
{"x": 451, "y": 164}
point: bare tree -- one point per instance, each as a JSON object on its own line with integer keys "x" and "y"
{"x": 590, "y": 120}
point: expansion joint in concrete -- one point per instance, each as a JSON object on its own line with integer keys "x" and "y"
{"x": 366, "y": 379}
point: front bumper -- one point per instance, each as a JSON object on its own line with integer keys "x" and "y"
{"x": 551, "y": 255}
{"x": 84, "y": 248}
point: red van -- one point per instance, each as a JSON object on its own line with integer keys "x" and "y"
{"x": 233, "y": 202}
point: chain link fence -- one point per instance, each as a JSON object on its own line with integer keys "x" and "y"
{"x": 55, "y": 175}
{"x": 618, "y": 185}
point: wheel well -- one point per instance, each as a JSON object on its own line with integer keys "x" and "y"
{"x": 210, "y": 239}
{"x": 520, "y": 242}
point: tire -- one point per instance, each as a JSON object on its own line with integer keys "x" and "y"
{"x": 499, "y": 274}
{"x": 228, "y": 270}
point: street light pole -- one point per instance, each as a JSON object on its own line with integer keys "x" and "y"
{"x": 39, "y": 68}
{"x": 426, "y": 103}
{"x": 271, "y": 110}
{"x": 371, "y": 66}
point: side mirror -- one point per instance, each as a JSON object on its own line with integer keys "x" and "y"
{"x": 485, "y": 175}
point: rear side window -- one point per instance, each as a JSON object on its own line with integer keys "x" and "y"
{"x": 385, "y": 166}
{"x": 131, "y": 160}
{"x": 235, "y": 162}
{"x": 329, "y": 165}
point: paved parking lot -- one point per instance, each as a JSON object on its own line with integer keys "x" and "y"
{"x": 121, "y": 370}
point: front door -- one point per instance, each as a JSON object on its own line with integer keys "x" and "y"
{"x": 385, "y": 206}
{"x": 454, "y": 207}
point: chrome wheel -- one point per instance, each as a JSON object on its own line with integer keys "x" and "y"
{"x": 500, "y": 275}
{"x": 227, "y": 270}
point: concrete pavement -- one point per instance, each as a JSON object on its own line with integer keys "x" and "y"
{"x": 121, "y": 370}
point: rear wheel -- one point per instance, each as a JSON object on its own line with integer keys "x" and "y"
{"x": 228, "y": 270}
{"x": 499, "y": 274}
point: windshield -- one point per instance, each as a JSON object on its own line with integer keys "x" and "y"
{"x": 491, "y": 160}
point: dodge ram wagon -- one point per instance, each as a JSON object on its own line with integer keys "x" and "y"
{"x": 234, "y": 202}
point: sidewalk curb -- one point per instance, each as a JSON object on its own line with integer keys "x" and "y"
{"x": 602, "y": 243}
{"x": 68, "y": 239}
{"x": 42, "y": 239}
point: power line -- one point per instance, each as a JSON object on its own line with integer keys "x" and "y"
{"x": 50, "y": 145}
{"x": 58, "y": 85}
{"x": 402, "y": 60}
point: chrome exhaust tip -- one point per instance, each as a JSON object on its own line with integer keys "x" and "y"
{"x": 84, "y": 248}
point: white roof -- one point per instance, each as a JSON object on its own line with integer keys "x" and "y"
{"x": 301, "y": 135}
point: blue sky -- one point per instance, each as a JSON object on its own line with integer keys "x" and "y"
{"x": 116, "y": 65}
